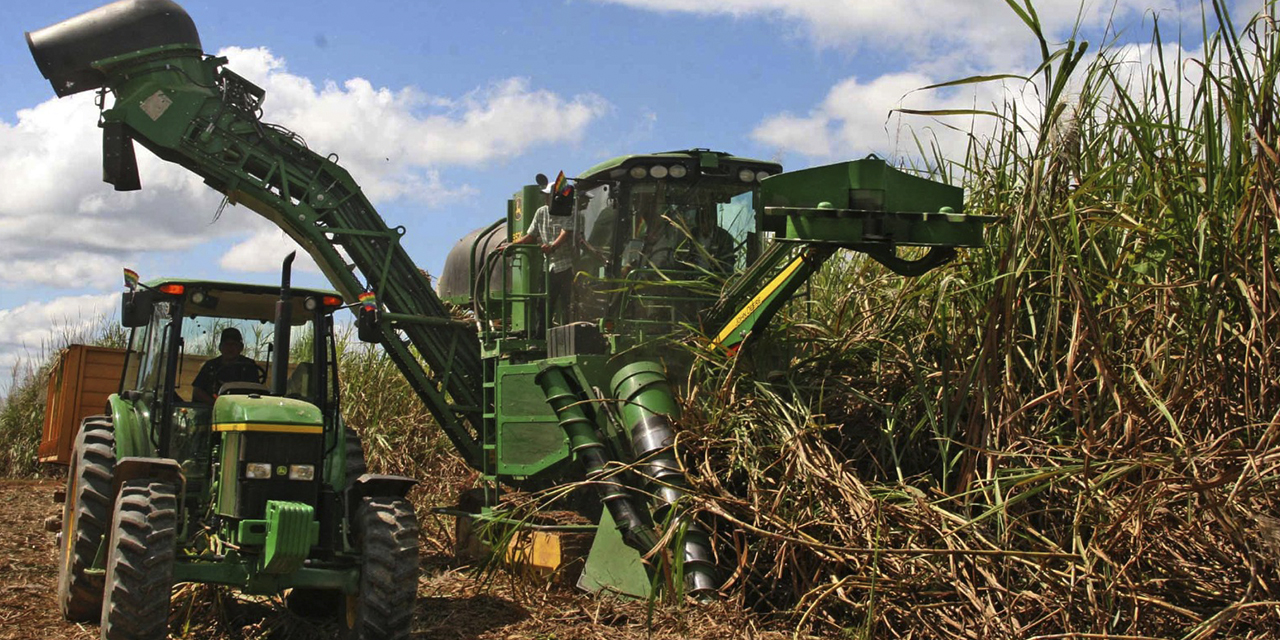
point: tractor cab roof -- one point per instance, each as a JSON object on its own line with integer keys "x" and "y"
{"x": 243, "y": 301}
{"x": 694, "y": 161}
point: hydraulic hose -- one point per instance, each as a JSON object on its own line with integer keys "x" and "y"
{"x": 647, "y": 406}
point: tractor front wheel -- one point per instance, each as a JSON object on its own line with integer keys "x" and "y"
{"x": 140, "y": 562}
{"x": 387, "y": 538}
{"x": 85, "y": 517}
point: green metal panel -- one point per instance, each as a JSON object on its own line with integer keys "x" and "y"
{"x": 530, "y": 439}
{"x": 228, "y": 471}
{"x": 237, "y": 409}
{"x": 612, "y": 565}
{"x": 291, "y": 532}
{"x": 240, "y": 572}
{"x": 849, "y": 185}
{"x": 131, "y": 421}
{"x": 852, "y": 228}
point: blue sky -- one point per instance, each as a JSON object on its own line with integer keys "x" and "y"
{"x": 443, "y": 109}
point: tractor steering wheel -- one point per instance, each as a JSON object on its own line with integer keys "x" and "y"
{"x": 262, "y": 373}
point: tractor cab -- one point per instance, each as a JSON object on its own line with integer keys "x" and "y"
{"x": 176, "y": 342}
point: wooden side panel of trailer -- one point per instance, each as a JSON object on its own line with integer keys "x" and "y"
{"x": 78, "y": 386}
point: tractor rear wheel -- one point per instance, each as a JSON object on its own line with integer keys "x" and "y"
{"x": 86, "y": 514}
{"x": 140, "y": 562}
{"x": 387, "y": 537}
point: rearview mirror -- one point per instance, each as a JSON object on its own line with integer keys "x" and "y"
{"x": 135, "y": 308}
{"x": 367, "y": 329}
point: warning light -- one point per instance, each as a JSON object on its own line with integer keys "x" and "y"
{"x": 172, "y": 289}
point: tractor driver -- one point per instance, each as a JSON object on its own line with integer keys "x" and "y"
{"x": 230, "y": 366}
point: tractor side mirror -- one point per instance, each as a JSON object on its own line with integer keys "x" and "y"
{"x": 367, "y": 324}
{"x": 542, "y": 180}
{"x": 135, "y": 308}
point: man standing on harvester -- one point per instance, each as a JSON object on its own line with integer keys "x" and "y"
{"x": 553, "y": 227}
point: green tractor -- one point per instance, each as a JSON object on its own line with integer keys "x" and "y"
{"x": 262, "y": 489}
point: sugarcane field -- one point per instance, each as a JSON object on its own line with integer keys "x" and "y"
{"x": 769, "y": 319}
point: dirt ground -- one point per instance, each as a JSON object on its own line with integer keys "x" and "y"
{"x": 453, "y": 602}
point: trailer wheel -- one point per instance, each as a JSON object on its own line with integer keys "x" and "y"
{"x": 86, "y": 514}
{"x": 387, "y": 537}
{"x": 140, "y": 562}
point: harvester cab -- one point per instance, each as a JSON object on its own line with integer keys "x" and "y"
{"x": 263, "y": 489}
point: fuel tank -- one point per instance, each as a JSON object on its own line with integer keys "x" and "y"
{"x": 462, "y": 264}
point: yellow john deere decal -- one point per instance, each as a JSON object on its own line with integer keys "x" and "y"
{"x": 758, "y": 300}
{"x": 268, "y": 428}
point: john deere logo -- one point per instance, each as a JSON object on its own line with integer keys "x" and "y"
{"x": 282, "y": 470}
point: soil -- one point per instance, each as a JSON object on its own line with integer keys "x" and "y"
{"x": 455, "y": 602}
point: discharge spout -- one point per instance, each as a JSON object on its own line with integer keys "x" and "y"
{"x": 647, "y": 407}
{"x": 73, "y": 54}
{"x": 591, "y": 452}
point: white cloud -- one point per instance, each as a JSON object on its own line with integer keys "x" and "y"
{"x": 30, "y": 332}
{"x": 394, "y": 141}
{"x": 856, "y": 118}
{"x": 61, "y": 226}
{"x": 936, "y": 42}
{"x": 957, "y": 35}
{"x": 263, "y": 250}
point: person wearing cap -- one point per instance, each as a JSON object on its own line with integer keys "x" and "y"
{"x": 554, "y": 233}
{"x": 230, "y": 366}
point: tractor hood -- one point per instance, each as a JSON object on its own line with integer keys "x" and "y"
{"x": 263, "y": 413}
{"x": 69, "y": 53}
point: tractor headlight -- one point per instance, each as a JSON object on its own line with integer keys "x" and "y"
{"x": 746, "y": 175}
{"x": 678, "y": 171}
{"x": 302, "y": 472}
{"x": 658, "y": 172}
{"x": 639, "y": 172}
{"x": 761, "y": 175}
{"x": 257, "y": 470}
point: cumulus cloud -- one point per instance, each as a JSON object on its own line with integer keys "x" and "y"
{"x": 61, "y": 226}
{"x": 856, "y": 118}
{"x": 395, "y": 141}
{"x": 952, "y": 35}
{"x": 30, "y": 331}
{"x": 859, "y": 115}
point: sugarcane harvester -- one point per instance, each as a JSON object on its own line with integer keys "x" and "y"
{"x": 535, "y": 391}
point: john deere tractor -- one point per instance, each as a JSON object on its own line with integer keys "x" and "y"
{"x": 263, "y": 489}
{"x": 534, "y": 392}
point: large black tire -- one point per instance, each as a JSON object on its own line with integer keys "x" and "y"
{"x": 387, "y": 538}
{"x": 85, "y": 517}
{"x": 140, "y": 562}
{"x": 354, "y": 450}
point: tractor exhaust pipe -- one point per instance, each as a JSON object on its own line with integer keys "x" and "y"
{"x": 284, "y": 319}
{"x": 69, "y": 53}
